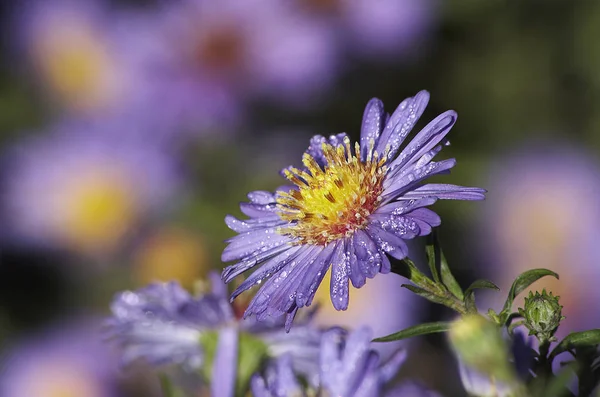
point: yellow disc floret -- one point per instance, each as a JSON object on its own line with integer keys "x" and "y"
{"x": 333, "y": 201}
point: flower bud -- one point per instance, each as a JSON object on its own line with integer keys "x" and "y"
{"x": 542, "y": 314}
{"x": 479, "y": 344}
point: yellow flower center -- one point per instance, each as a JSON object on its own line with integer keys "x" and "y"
{"x": 77, "y": 65}
{"x": 332, "y": 202}
{"x": 98, "y": 211}
{"x": 171, "y": 254}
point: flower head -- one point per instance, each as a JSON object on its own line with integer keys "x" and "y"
{"x": 348, "y": 367}
{"x": 348, "y": 207}
{"x": 68, "y": 361}
{"x": 82, "y": 190}
{"x": 164, "y": 324}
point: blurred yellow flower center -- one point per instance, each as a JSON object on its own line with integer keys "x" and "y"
{"x": 98, "y": 211}
{"x": 64, "y": 382}
{"x": 171, "y": 254}
{"x": 332, "y": 202}
{"x": 76, "y": 65}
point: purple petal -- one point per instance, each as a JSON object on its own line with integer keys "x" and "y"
{"x": 252, "y": 210}
{"x": 261, "y": 197}
{"x": 266, "y": 269}
{"x": 356, "y": 275}
{"x": 315, "y": 273}
{"x": 367, "y": 254}
{"x": 401, "y": 122}
{"x": 388, "y": 242}
{"x": 340, "y": 269}
{"x": 372, "y": 125}
{"x": 426, "y": 215}
{"x": 224, "y": 371}
{"x": 316, "y": 146}
{"x": 425, "y": 140}
{"x": 404, "y": 183}
{"x": 250, "y": 244}
{"x": 447, "y": 191}
{"x": 243, "y": 226}
{"x": 404, "y": 206}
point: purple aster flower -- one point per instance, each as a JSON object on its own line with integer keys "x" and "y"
{"x": 164, "y": 324}
{"x": 79, "y": 189}
{"x": 70, "y": 360}
{"x": 97, "y": 62}
{"x": 349, "y": 367}
{"x": 348, "y": 209}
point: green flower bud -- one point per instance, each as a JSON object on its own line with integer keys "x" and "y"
{"x": 479, "y": 344}
{"x": 542, "y": 314}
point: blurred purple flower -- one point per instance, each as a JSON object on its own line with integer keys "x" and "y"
{"x": 80, "y": 189}
{"x": 349, "y": 367}
{"x": 479, "y": 384}
{"x": 362, "y": 312}
{"x": 250, "y": 47}
{"x": 97, "y": 62}
{"x": 68, "y": 361}
{"x": 543, "y": 212}
{"x": 389, "y": 28}
{"x": 163, "y": 324}
{"x": 347, "y": 210}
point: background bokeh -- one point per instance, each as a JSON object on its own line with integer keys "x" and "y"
{"x": 129, "y": 129}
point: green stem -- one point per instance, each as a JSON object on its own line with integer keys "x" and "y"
{"x": 438, "y": 293}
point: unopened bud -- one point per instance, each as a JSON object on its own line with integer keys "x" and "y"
{"x": 542, "y": 314}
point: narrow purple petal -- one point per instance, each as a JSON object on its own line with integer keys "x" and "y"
{"x": 243, "y": 226}
{"x": 224, "y": 371}
{"x": 425, "y": 215}
{"x": 259, "y": 210}
{"x": 367, "y": 254}
{"x": 388, "y": 242}
{"x": 261, "y": 197}
{"x": 248, "y": 263}
{"x": 271, "y": 266}
{"x": 340, "y": 270}
{"x": 356, "y": 275}
{"x": 404, "y": 206}
{"x": 372, "y": 125}
{"x": 250, "y": 244}
{"x": 404, "y": 183}
{"x": 315, "y": 273}
{"x": 447, "y": 191}
{"x": 402, "y": 122}
{"x": 390, "y": 369}
{"x": 425, "y": 140}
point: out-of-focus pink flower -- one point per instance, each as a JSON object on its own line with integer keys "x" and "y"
{"x": 543, "y": 211}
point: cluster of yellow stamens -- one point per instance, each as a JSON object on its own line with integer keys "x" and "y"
{"x": 332, "y": 202}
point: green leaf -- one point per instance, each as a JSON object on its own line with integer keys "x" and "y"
{"x": 432, "y": 251}
{"x": 521, "y": 283}
{"x": 448, "y": 279}
{"x": 426, "y": 294}
{"x": 420, "y": 329}
{"x": 470, "y": 292}
{"x": 577, "y": 339}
